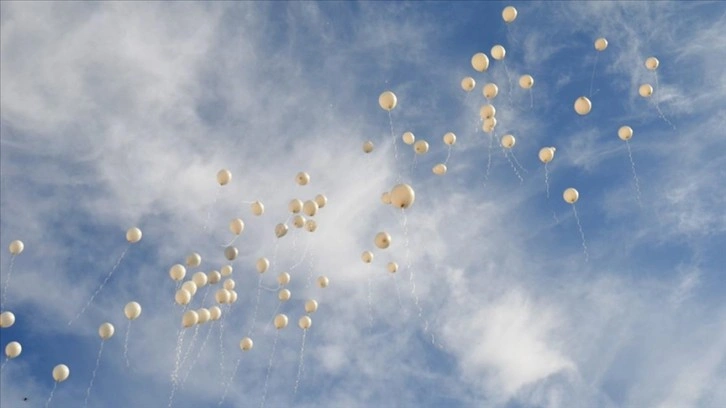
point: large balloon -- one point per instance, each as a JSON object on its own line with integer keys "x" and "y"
{"x": 105, "y": 331}
{"x": 625, "y": 132}
{"x": 262, "y": 265}
{"x": 298, "y": 221}
{"x": 229, "y": 284}
{"x": 133, "y": 235}
{"x": 132, "y": 310}
{"x": 302, "y": 178}
{"x": 450, "y": 138}
{"x": 498, "y": 52}
{"x": 571, "y": 195}
{"x": 7, "y": 319}
{"x": 13, "y": 349}
{"x": 526, "y": 81}
{"x": 601, "y": 43}
{"x": 402, "y": 196}
{"x": 246, "y": 344}
{"x": 204, "y": 315}
{"x": 295, "y": 205}
{"x": 305, "y": 322}
{"x": 408, "y": 138}
{"x": 223, "y": 177}
{"x": 583, "y": 106}
{"x": 257, "y": 208}
{"x": 387, "y": 101}
{"x": 480, "y": 62}
{"x": 439, "y": 169}
{"x": 508, "y": 141}
{"x": 421, "y": 147}
{"x": 310, "y": 208}
{"x": 16, "y": 247}
{"x": 652, "y": 63}
{"x": 190, "y": 318}
{"x": 61, "y": 372}
{"x": 487, "y": 111}
{"x": 645, "y": 90}
{"x": 280, "y": 321}
{"x": 194, "y": 260}
{"x": 382, "y": 240}
{"x": 546, "y": 154}
{"x": 490, "y": 90}
{"x": 183, "y": 297}
{"x": 231, "y": 253}
{"x": 509, "y": 14}
{"x": 367, "y": 146}
{"x": 468, "y": 83}
{"x": 311, "y": 306}
{"x": 236, "y": 226}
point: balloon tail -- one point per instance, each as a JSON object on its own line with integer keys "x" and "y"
{"x": 547, "y": 181}
{"x": 395, "y": 145}
{"x": 448, "y": 155}
{"x": 514, "y": 157}
{"x": 311, "y": 267}
{"x": 50, "y": 397}
{"x": 191, "y": 346}
{"x": 511, "y": 163}
{"x": 93, "y": 376}
{"x": 7, "y": 281}
{"x": 489, "y": 160}
{"x": 269, "y": 369}
{"x": 300, "y": 363}
{"x": 230, "y": 242}
{"x": 582, "y": 234}
{"x": 126, "y": 344}
{"x": 257, "y": 308}
{"x": 509, "y": 79}
{"x": 221, "y": 341}
{"x": 398, "y": 292}
{"x": 229, "y": 383}
{"x": 657, "y": 105}
{"x": 370, "y": 304}
{"x": 4, "y": 363}
{"x": 100, "y": 288}
{"x": 592, "y": 77}
{"x": 199, "y": 353}
{"x": 175, "y": 371}
{"x": 209, "y": 211}
{"x": 635, "y": 175}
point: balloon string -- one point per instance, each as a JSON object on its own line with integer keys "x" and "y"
{"x": 221, "y": 339}
{"x": 635, "y": 176}
{"x": 50, "y": 397}
{"x": 4, "y": 363}
{"x": 191, "y": 346}
{"x": 269, "y": 369}
{"x": 229, "y": 383}
{"x": 257, "y": 307}
{"x": 370, "y": 304}
{"x": 302, "y": 258}
{"x": 199, "y": 353}
{"x": 126, "y": 344}
{"x": 100, "y": 287}
{"x": 657, "y": 105}
{"x": 514, "y": 157}
{"x": 300, "y": 363}
{"x": 448, "y": 155}
{"x": 311, "y": 267}
{"x": 395, "y": 145}
{"x": 582, "y": 234}
{"x": 547, "y": 180}
{"x": 7, "y": 281}
{"x": 230, "y": 242}
{"x": 509, "y": 79}
{"x": 209, "y": 211}
{"x": 175, "y": 371}
{"x": 521, "y": 180}
{"x": 489, "y": 159}
{"x": 398, "y": 292}
{"x": 93, "y": 376}
{"x": 531, "y": 99}
{"x": 592, "y": 77}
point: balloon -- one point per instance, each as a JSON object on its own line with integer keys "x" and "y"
{"x": 190, "y": 287}
{"x": 625, "y": 133}
{"x": 295, "y": 205}
{"x": 232, "y": 296}
{"x": 367, "y": 146}
{"x": 310, "y": 208}
{"x": 281, "y": 230}
{"x": 13, "y": 349}
{"x": 236, "y": 226}
{"x": 105, "y": 331}
{"x": 231, "y": 253}
{"x": 498, "y": 52}
{"x": 487, "y": 111}
{"x": 450, "y": 138}
{"x": 7, "y": 319}
{"x": 382, "y": 240}
{"x": 226, "y": 270}
{"x": 133, "y": 235}
{"x": 246, "y": 344}
{"x": 200, "y": 279}
{"x": 298, "y": 221}
{"x": 262, "y": 265}
{"x": 321, "y": 200}
{"x": 421, "y": 147}
{"x": 546, "y": 154}
{"x": 468, "y": 83}
{"x": 222, "y": 296}
{"x": 402, "y": 196}
{"x": 509, "y": 14}
{"x": 311, "y": 306}
{"x": 583, "y": 106}
{"x": 283, "y": 278}
{"x": 214, "y": 277}
{"x": 508, "y": 141}
{"x": 652, "y": 63}
{"x": 182, "y": 297}
{"x": 489, "y": 124}
{"x": 601, "y": 43}
{"x": 408, "y": 138}
{"x": 61, "y": 372}
{"x": 490, "y": 90}
{"x": 257, "y": 208}
{"x": 645, "y": 90}
{"x": 194, "y": 260}
{"x": 367, "y": 256}
{"x": 305, "y": 322}
{"x": 280, "y": 321}
{"x": 392, "y": 267}
{"x": 284, "y": 295}
{"x": 190, "y": 318}
{"x": 571, "y": 195}
{"x": 323, "y": 282}
{"x": 132, "y": 310}
{"x": 386, "y": 198}
{"x": 204, "y": 315}
{"x": 526, "y": 81}
{"x": 223, "y": 177}
{"x": 302, "y": 178}
{"x": 439, "y": 169}
{"x": 16, "y": 247}
{"x": 229, "y": 284}
{"x": 215, "y": 313}
{"x": 311, "y": 225}
{"x": 387, "y": 100}
{"x": 480, "y": 62}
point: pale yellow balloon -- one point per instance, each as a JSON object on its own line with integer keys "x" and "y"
{"x": 132, "y": 310}
{"x": 133, "y": 235}
{"x": 305, "y": 322}
{"x": 257, "y": 208}
{"x": 310, "y": 208}
{"x": 232, "y": 296}
{"x": 7, "y": 319}
{"x": 421, "y": 147}
{"x": 182, "y": 297}
{"x": 487, "y": 111}
{"x": 601, "y": 44}
{"x": 224, "y": 176}
{"x": 392, "y": 267}
{"x": 177, "y": 272}
{"x": 651, "y": 63}
{"x": 190, "y": 287}
{"x": 13, "y": 349}
{"x": 382, "y": 240}
{"x": 61, "y": 372}
{"x": 302, "y": 178}
{"x": 194, "y": 260}
{"x": 367, "y": 256}
{"x": 204, "y": 315}
{"x": 546, "y": 154}
{"x": 226, "y": 270}
{"x": 387, "y": 101}
{"x": 468, "y": 83}
{"x": 583, "y": 106}
{"x": 509, "y": 14}
{"x": 311, "y": 225}
{"x": 439, "y": 169}
{"x": 190, "y": 318}
{"x": 490, "y": 90}
{"x": 298, "y": 221}
{"x": 295, "y": 205}
{"x": 229, "y": 284}
{"x": 281, "y": 230}
{"x": 16, "y": 247}
{"x": 262, "y": 265}
{"x": 408, "y": 138}
{"x": 625, "y": 133}
{"x": 236, "y": 226}
{"x": 246, "y": 344}
{"x": 508, "y": 141}
{"x": 386, "y": 198}
{"x": 284, "y": 295}
{"x": 222, "y": 296}
{"x": 214, "y": 277}
{"x": 283, "y": 278}
{"x": 480, "y": 62}
{"x": 215, "y": 313}
{"x": 323, "y": 282}
{"x": 402, "y": 196}
{"x": 311, "y": 306}
{"x": 498, "y": 52}
{"x": 280, "y": 321}
{"x": 450, "y": 138}
{"x": 367, "y": 146}
{"x": 321, "y": 200}
{"x": 200, "y": 279}
{"x": 526, "y": 81}
{"x": 571, "y": 195}
{"x": 105, "y": 331}
{"x": 645, "y": 90}
{"x": 489, "y": 124}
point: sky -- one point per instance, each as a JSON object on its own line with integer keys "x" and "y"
{"x": 120, "y": 114}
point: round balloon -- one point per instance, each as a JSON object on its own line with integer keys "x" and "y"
{"x": 468, "y": 83}
{"x": 651, "y": 63}
{"x": 223, "y": 177}
{"x": 571, "y": 195}
{"x": 583, "y": 106}
{"x": 204, "y": 315}
{"x": 508, "y": 141}
{"x": 236, "y": 226}
{"x": 509, "y": 14}
{"x": 450, "y": 138}
{"x": 392, "y": 267}
{"x": 625, "y": 133}
{"x": 323, "y": 282}
{"x": 302, "y": 178}
{"x": 305, "y": 322}
{"x": 133, "y": 235}
{"x": 190, "y": 287}
{"x": 262, "y": 265}
{"x": 498, "y": 52}
{"x": 367, "y": 256}
{"x": 402, "y": 196}
{"x": 132, "y": 310}
{"x": 546, "y": 154}
{"x": 311, "y": 225}
{"x": 295, "y": 205}
{"x": 257, "y": 208}
{"x": 421, "y": 147}
{"x": 645, "y": 90}
{"x": 194, "y": 260}
{"x": 487, "y": 111}
{"x": 298, "y": 221}
{"x": 105, "y": 331}
{"x": 310, "y": 208}
{"x": 246, "y": 344}
{"x": 231, "y": 253}
{"x": 280, "y": 321}
{"x": 281, "y": 230}
{"x": 311, "y": 306}
{"x": 7, "y": 319}
{"x": 439, "y": 169}
{"x": 214, "y": 277}
{"x": 480, "y": 62}
{"x": 226, "y": 270}
{"x": 13, "y": 349}
{"x": 182, "y": 297}
{"x": 526, "y": 81}
{"x": 367, "y": 146}
{"x": 490, "y": 90}
{"x": 321, "y": 200}
{"x": 283, "y": 278}
{"x": 387, "y": 100}
{"x": 601, "y": 43}
{"x": 190, "y": 318}
{"x": 215, "y": 313}
{"x": 386, "y": 198}
{"x": 61, "y": 372}
{"x": 284, "y": 295}
{"x": 223, "y": 296}
{"x": 382, "y": 240}
{"x": 408, "y": 138}
{"x": 16, "y": 247}
{"x": 229, "y": 284}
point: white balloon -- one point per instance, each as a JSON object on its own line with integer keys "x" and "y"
{"x": 190, "y": 318}
{"x": 204, "y": 315}
{"x": 480, "y": 62}
{"x": 321, "y": 200}
{"x": 133, "y": 235}
{"x": 651, "y": 63}
{"x": 367, "y": 146}
{"x": 450, "y": 138}
{"x": 200, "y": 279}
{"x": 526, "y": 81}
{"x": 105, "y": 331}
{"x": 284, "y": 295}
{"x": 215, "y": 313}
{"x": 280, "y": 321}
{"x": 262, "y": 265}
{"x": 489, "y": 124}
{"x": 402, "y": 196}
{"x": 302, "y": 178}
{"x": 386, "y": 198}
{"x": 311, "y": 306}
{"x": 16, "y": 247}
{"x": 281, "y": 230}
{"x": 490, "y": 91}
{"x": 61, "y": 372}
{"x": 237, "y": 226}
{"x": 7, "y": 319}
{"x": 387, "y": 101}
{"x": 382, "y": 240}
{"x": 226, "y": 270}
{"x": 177, "y": 272}
{"x": 468, "y": 83}
{"x": 439, "y": 169}
{"x": 571, "y": 195}
{"x": 601, "y": 44}
{"x": 298, "y": 221}
{"x": 13, "y": 349}
{"x": 487, "y": 111}
{"x": 246, "y": 344}
{"x": 546, "y": 154}
{"x": 182, "y": 297}
{"x": 229, "y": 284}
{"x": 509, "y": 14}
{"x": 498, "y": 52}
{"x": 214, "y": 277}
{"x": 310, "y": 208}
{"x": 645, "y": 90}
{"x": 295, "y": 205}
{"x": 583, "y": 106}
{"x": 421, "y": 147}
{"x": 257, "y": 208}
{"x": 194, "y": 260}
{"x": 367, "y": 256}
{"x": 283, "y": 278}
{"x": 392, "y": 267}
{"x": 408, "y": 138}
{"x": 625, "y": 133}
{"x": 222, "y": 296}
{"x": 323, "y": 282}
{"x": 508, "y": 141}
{"x": 305, "y": 322}
{"x": 224, "y": 176}
{"x": 190, "y": 287}
{"x": 132, "y": 310}
{"x": 311, "y": 225}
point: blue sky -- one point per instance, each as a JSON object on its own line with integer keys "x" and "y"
{"x": 116, "y": 115}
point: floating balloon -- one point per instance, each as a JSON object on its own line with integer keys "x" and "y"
{"x": 367, "y": 146}
{"x": 257, "y": 208}
{"x": 226, "y": 270}
{"x": 310, "y": 208}
{"x": 526, "y": 81}
{"x": 13, "y": 349}
{"x": 106, "y": 331}
{"x": 311, "y": 225}
{"x": 246, "y": 344}
{"x": 480, "y": 62}
{"x": 133, "y": 235}
{"x": 321, "y": 200}
{"x": 283, "y": 278}
{"x": 323, "y": 282}
{"x": 132, "y": 310}
{"x": 508, "y": 141}
{"x": 439, "y": 169}
{"x": 231, "y": 253}
{"x": 311, "y": 306}
{"x": 232, "y": 296}
{"x": 280, "y": 321}
{"x": 61, "y": 372}
{"x": 546, "y": 154}
{"x": 281, "y": 230}
{"x": 450, "y": 138}
{"x": 237, "y": 226}
{"x": 498, "y": 52}
{"x": 625, "y": 133}
{"x": 489, "y": 124}
{"x": 571, "y": 195}
{"x": 7, "y": 319}
{"x": 190, "y": 318}
{"x": 262, "y": 265}
{"x": 645, "y": 90}
{"x": 295, "y": 206}
{"x": 421, "y": 147}
{"x": 298, "y": 221}
{"x": 392, "y": 267}
{"x": 402, "y": 196}
{"x": 601, "y": 43}
{"x": 302, "y": 178}
{"x": 214, "y": 277}
{"x": 16, "y": 247}
{"x": 204, "y": 315}
{"x": 487, "y": 111}
{"x": 408, "y": 138}
{"x": 386, "y": 198}
{"x": 382, "y": 240}
{"x": 182, "y": 297}
{"x": 583, "y": 105}
{"x": 194, "y": 260}
{"x": 387, "y": 101}
{"x": 509, "y": 14}
{"x": 367, "y": 256}
{"x": 224, "y": 176}
{"x": 651, "y": 63}
{"x": 468, "y": 83}
{"x": 190, "y": 287}
{"x": 305, "y": 322}
{"x": 222, "y": 296}
{"x": 229, "y": 284}
{"x": 284, "y": 295}
{"x": 490, "y": 90}
{"x": 215, "y": 313}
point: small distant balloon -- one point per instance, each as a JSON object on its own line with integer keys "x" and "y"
{"x": 61, "y": 372}
{"x": 367, "y": 256}
{"x": 526, "y": 81}
{"x": 302, "y": 178}
{"x": 257, "y": 208}
{"x": 200, "y": 279}
{"x": 468, "y": 83}
{"x": 132, "y": 310}
{"x": 392, "y": 267}
{"x": 651, "y": 63}
{"x": 323, "y": 282}
{"x": 439, "y": 169}
{"x": 280, "y": 321}
{"x": 231, "y": 253}
{"x": 487, "y": 111}
{"x": 547, "y": 154}
{"x": 262, "y": 265}
{"x": 215, "y": 313}
{"x": 295, "y": 205}
{"x": 421, "y": 147}
{"x": 508, "y": 141}
{"x": 305, "y": 322}
{"x": 450, "y": 138}
{"x": 246, "y": 344}
{"x": 498, "y": 52}
{"x": 224, "y": 176}
{"x": 229, "y": 284}
{"x": 480, "y": 62}
{"x": 133, "y": 235}
{"x": 509, "y": 14}
{"x": 402, "y": 196}
{"x": 583, "y": 106}
{"x": 387, "y": 100}
{"x": 190, "y": 286}
{"x": 190, "y": 318}
{"x": 311, "y": 225}
{"x": 106, "y": 331}
{"x": 194, "y": 260}
{"x": 283, "y": 278}
{"x": 310, "y": 208}
{"x": 13, "y": 349}
{"x": 321, "y": 200}
{"x": 281, "y": 230}
{"x": 408, "y": 138}
{"x": 16, "y": 247}
{"x": 298, "y": 221}
{"x": 236, "y": 226}
{"x": 284, "y": 295}
{"x": 7, "y": 319}
{"x": 601, "y": 44}
{"x": 571, "y": 195}
{"x": 367, "y": 146}
{"x": 311, "y": 306}
{"x": 625, "y": 133}
{"x": 386, "y": 198}
{"x": 645, "y": 90}
{"x": 226, "y": 270}
{"x": 490, "y": 90}
{"x": 214, "y": 277}
{"x": 182, "y": 297}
